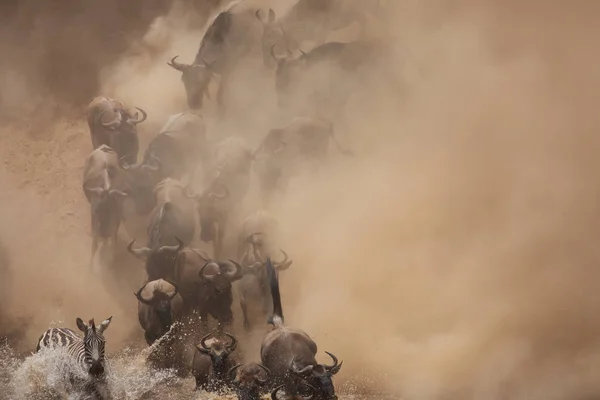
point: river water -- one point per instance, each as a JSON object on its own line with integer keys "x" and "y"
{"x": 41, "y": 376}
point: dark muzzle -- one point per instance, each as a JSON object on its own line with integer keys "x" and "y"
{"x": 97, "y": 368}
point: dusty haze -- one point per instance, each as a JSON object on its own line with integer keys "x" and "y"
{"x": 455, "y": 257}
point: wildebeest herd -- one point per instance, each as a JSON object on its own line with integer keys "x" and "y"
{"x": 184, "y": 286}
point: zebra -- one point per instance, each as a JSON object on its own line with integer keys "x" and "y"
{"x": 87, "y": 350}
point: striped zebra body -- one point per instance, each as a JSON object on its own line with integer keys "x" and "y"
{"x": 64, "y": 337}
{"x": 88, "y": 350}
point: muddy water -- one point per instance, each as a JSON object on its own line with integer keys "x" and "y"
{"x": 41, "y": 376}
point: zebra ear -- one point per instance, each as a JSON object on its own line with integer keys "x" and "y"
{"x": 104, "y": 325}
{"x": 81, "y": 325}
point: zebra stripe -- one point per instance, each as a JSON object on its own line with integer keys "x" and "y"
{"x": 88, "y": 350}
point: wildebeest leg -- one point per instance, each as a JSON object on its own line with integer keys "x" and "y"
{"x": 244, "y": 307}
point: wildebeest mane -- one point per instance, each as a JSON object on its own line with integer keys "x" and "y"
{"x": 217, "y": 31}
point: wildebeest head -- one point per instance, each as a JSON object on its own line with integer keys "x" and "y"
{"x": 161, "y": 262}
{"x": 254, "y": 263}
{"x": 123, "y": 130}
{"x": 160, "y": 301}
{"x": 220, "y": 275}
{"x": 218, "y": 351}
{"x": 319, "y": 376}
{"x": 195, "y": 78}
{"x": 275, "y": 393}
{"x": 141, "y": 179}
{"x": 287, "y": 68}
{"x": 246, "y": 380}
{"x": 272, "y": 35}
{"x": 94, "y": 344}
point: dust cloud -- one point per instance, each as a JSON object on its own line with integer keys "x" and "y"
{"x": 454, "y": 257}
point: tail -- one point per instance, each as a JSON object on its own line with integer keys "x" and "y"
{"x": 277, "y": 318}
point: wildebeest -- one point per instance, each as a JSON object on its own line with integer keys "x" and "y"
{"x": 247, "y": 382}
{"x": 112, "y": 124}
{"x": 297, "y": 147}
{"x": 170, "y": 228}
{"x": 87, "y": 351}
{"x": 179, "y": 145}
{"x": 256, "y": 243}
{"x": 159, "y": 305}
{"x": 215, "y": 295}
{"x": 307, "y": 20}
{"x": 228, "y": 39}
{"x": 212, "y": 363}
{"x": 103, "y": 185}
{"x": 225, "y": 185}
{"x": 290, "y": 353}
{"x": 311, "y": 73}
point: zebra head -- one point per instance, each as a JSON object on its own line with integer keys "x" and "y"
{"x": 93, "y": 345}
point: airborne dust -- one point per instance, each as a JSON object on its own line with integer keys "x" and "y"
{"x": 455, "y": 257}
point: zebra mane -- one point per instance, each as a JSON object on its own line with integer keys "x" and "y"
{"x": 92, "y": 325}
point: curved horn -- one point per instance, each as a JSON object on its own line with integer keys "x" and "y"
{"x": 181, "y": 245}
{"x": 201, "y": 272}
{"x": 231, "y": 346}
{"x": 178, "y": 247}
{"x": 114, "y": 192}
{"x": 216, "y": 196}
{"x": 96, "y": 191}
{"x": 335, "y": 368}
{"x": 262, "y": 382}
{"x": 177, "y": 65}
{"x": 312, "y": 389}
{"x": 110, "y": 125}
{"x": 294, "y": 369}
{"x": 144, "y": 117}
{"x": 139, "y": 295}
{"x": 275, "y": 391}
{"x": 257, "y": 14}
{"x": 232, "y": 370}
{"x": 203, "y": 341}
{"x": 238, "y": 274}
{"x": 139, "y": 253}
{"x": 283, "y": 265}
